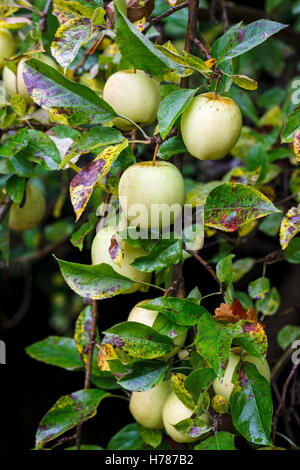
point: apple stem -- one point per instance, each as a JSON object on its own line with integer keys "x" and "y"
{"x": 155, "y": 153}
{"x": 217, "y": 84}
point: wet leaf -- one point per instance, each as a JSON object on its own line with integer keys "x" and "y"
{"x": 170, "y": 147}
{"x": 142, "y": 375}
{"x": 82, "y": 185}
{"x": 139, "y": 340}
{"x": 68, "y": 412}
{"x": 198, "y": 381}
{"x": 221, "y": 440}
{"x": 259, "y": 288}
{"x": 290, "y": 226}
{"x": 182, "y": 311}
{"x": 177, "y": 383}
{"x": 68, "y": 39}
{"x": 56, "y": 351}
{"x": 53, "y": 91}
{"x": 93, "y": 282}
{"x": 251, "y": 405}
{"x": 193, "y": 427}
{"x": 230, "y": 206}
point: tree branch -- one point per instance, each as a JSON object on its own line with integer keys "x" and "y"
{"x": 5, "y": 205}
{"x": 164, "y": 15}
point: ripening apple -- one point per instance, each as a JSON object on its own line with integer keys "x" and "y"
{"x": 100, "y": 254}
{"x": 210, "y": 126}
{"x": 146, "y": 407}
{"x": 14, "y": 83}
{"x": 7, "y": 46}
{"x": 134, "y": 95}
{"x": 152, "y": 196}
{"x": 225, "y": 387}
{"x": 147, "y": 317}
{"x": 27, "y": 217}
{"x": 175, "y": 411}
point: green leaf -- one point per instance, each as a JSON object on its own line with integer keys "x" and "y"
{"x": 152, "y": 437}
{"x": 253, "y": 339}
{"x": 221, "y": 440}
{"x": 139, "y": 340}
{"x": 142, "y": 376}
{"x": 171, "y": 108}
{"x": 257, "y": 159}
{"x": 170, "y": 147}
{"x": 182, "y": 311}
{"x": 270, "y": 303}
{"x": 91, "y": 141}
{"x": 245, "y": 82}
{"x": 271, "y": 224}
{"x": 138, "y": 50}
{"x": 241, "y": 267}
{"x": 193, "y": 427}
{"x": 58, "y": 230}
{"x": 287, "y": 335}
{"x": 230, "y": 206}
{"x": 247, "y": 107}
{"x": 68, "y": 39}
{"x": 82, "y": 333}
{"x": 4, "y": 239}
{"x": 15, "y": 187}
{"x": 68, "y": 412}
{"x": 94, "y": 282}
{"x": 213, "y": 341}
{"x": 64, "y": 9}
{"x": 128, "y": 438}
{"x": 165, "y": 252}
{"x": 292, "y": 253}
{"x": 54, "y": 92}
{"x": 56, "y": 351}
{"x": 198, "y": 381}
{"x": 224, "y": 269}
{"x": 251, "y": 405}
{"x": 259, "y": 288}
{"x": 78, "y": 237}
{"x": 250, "y": 36}
{"x": 292, "y": 124}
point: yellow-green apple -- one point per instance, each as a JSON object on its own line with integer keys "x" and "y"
{"x": 29, "y": 216}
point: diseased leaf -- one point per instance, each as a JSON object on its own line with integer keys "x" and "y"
{"x": 93, "y": 282}
{"x": 139, "y": 340}
{"x": 68, "y": 412}
{"x": 171, "y": 108}
{"x": 68, "y": 39}
{"x": 142, "y": 375}
{"x": 198, "y": 381}
{"x": 221, "y": 440}
{"x": 297, "y": 144}
{"x": 177, "y": 383}
{"x": 270, "y": 304}
{"x": 165, "y": 252}
{"x": 82, "y": 185}
{"x": 91, "y": 141}
{"x": 259, "y": 288}
{"x": 182, "y": 311}
{"x": 116, "y": 249}
{"x": 245, "y": 82}
{"x": 54, "y": 92}
{"x": 66, "y": 9}
{"x": 251, "y": 405}
{"x": 290, "y": 226}
{"x": 230, "y": 206}
{"x": 292, "y": 124}
{"x": 56, "y": 351}
{"x": 82, "y": 333}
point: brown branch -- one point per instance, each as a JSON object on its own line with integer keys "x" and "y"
{"x": 87, "y": 379}
{"x": 5, "y": 205}
{"x": 206, "y": 266}
{"x": 44, "y": 21}
{"x": 88, "y": 52}
{"x": 283, "y": 398}
{"x": 164, "y": 15}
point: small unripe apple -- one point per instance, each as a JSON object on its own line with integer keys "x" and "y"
{"x": 27, "y": 217}
{"x": 175, "y": 411}
{"x": 7, "y": 46}
{"x": 210, "y": 127}
{"x": 146, "y": 407}
{"x": 152, "y": 196}
{"x": 226, "y": 386}
{"x": 147, "y": 317}
{"x": 14, "y": 83}
{"x": 133, "y": 95}
{"x": 100, "y": 254}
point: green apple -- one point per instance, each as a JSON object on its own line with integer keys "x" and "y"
{"x": 147, "y": 317}
{"x": 133, "y": 95}
{"x": 175, "y": 411}
{"x": 21, "y": 87}
{"x": 7, "y": 46}
{"x": 100, "y": 254}
{"x": 210, "y": 126}
{"x": 27, "y": 217}
{"x": 152, "y": 196}
{"x": 146, "y": 407}
{"x": 225, "y": 387}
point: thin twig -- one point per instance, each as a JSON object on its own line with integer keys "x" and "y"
{"x": 205, "y": 264}
{"x": 87, "y": 52}
{"x": 44, "y": 21}
{"x": 164, "y": 15}
{"x": 5, "y": 205}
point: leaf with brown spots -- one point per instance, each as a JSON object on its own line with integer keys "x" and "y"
{"x": 116, "y": 250}
{"x": 297, "y": 145}
{"x": 83, "y": 183}
{"x": 290, "y": 226}
{"x": 177, "y": 384}
{"x": 105, "y": 354}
